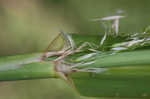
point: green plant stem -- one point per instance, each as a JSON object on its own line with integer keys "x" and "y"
{"x": 126, "y": 75}
{"x": 131, "y": 58}
{"x": 27, "y": 66}
{"x": 38, "y": 70}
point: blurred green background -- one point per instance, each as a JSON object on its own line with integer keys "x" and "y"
{"x": 30, "y": 25}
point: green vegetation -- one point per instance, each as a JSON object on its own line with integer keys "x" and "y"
{"x": 113, "y": 63}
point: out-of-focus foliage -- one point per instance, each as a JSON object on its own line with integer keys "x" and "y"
{"x": 29, "y": 26}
